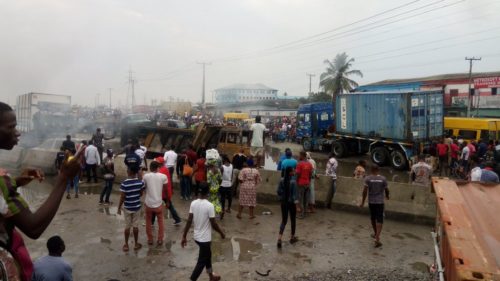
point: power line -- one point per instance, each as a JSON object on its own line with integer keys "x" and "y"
{"x": 348, "y": 32}
{"x": 326, "y": 32}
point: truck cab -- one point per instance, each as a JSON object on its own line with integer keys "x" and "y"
{"x": 313, "y": 123}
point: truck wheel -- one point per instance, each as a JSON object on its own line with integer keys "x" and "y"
{"x": 338, "y": 149}
{"x": 398, "y": 160}
{"x": 380, "y": 155}
{"x": 307, "y": 144}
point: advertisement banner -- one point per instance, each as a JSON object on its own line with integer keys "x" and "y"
{"x": 487, "y": 82}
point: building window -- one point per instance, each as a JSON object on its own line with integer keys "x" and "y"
{"x": 494, "y": 91}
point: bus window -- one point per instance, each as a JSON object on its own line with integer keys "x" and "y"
{"x": 448, "y": 132}
{"x": 222, "y": 137}
{"x": 301, "y": 117}
{"x": 232, "y": 138}
{"x": 324, "y": 116}
{"x": 492, "y": 135}
{"x": 307, "y": 117}
{"x": 484, "y": 135}
{"x": 467, "y": 134}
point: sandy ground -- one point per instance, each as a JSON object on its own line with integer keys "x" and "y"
{"x": 333, "y": 245}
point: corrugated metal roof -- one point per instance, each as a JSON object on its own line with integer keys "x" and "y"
{"x": 436, "y": 78}
{"x": 241, "y": 86}
{"x": 469, "y": 215}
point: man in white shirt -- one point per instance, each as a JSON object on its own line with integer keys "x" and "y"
{"x": 155, "y": 187}
{"x": 331, "y": 171}
{"x": 421, "y": 172}
{"x": 141, "y": 152}
{"x": 464, "y": 156}
{"x": 202, "y": 213}
{"x": 257, "y": 143}
{"x": 92, "y": 160}
{"x": 170, "y": 159}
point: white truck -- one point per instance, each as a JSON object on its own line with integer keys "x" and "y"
{"x": 32, "y": 106}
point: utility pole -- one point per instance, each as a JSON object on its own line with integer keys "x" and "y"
{"x": 469, "y": 100}
{"x": 131, "y": 88}
{"x": 110, "y": 89}
{"x": 203, "y": 84}
{"x": 310, "y": 79}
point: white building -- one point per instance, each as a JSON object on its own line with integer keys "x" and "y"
{"x": 238, "y": 93}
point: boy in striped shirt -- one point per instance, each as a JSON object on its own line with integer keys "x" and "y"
{"x": 131, "y": 192}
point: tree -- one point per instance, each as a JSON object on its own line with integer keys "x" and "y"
{"x": 319, "y": 97}
{"x": 335, "y": 79}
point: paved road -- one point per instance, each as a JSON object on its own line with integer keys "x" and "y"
{"x": 333, "y": 246}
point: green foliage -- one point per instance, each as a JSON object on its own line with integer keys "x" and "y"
{"x": 335, "y": 79}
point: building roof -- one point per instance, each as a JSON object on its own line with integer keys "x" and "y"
{"x": 241, "y": 86}
{"x": 451, "y": 76}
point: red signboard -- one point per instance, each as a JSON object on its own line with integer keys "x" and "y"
{"x": 487, "y": 82}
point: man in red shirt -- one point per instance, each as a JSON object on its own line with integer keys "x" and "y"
{"x": 167, "y": 198}
{"x": 304, "y": 174}
{"x": 442, "y": 151}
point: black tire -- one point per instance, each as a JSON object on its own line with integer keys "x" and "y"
{"x": 339, "y": 149}
{"x": 380, "y": 155}
{"x": 307, "y": 144}
{"x": 398, "y": 160}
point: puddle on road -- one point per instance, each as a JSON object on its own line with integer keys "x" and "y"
{"x": 110, "y": 211}
{"x": 420, "y": 266}
{"x": 244, "y": 250}
{"x": 302, "y": 257}
{"x": 398, "y": 236}
{"x": 346, "y": 169}
{"x": 412, "y": 236}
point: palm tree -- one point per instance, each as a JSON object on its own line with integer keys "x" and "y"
{"x": 335, "y": 79}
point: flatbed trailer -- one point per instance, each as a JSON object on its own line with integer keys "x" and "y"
{"x": 467, "y": 230}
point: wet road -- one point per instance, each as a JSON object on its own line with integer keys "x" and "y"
{"x": 332, "y": 244}
{"x": 346, "y": 165}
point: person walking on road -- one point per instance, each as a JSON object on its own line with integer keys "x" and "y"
{"x": 442, "y": 151}
{"x": 68, "y": 144}
{"x": 131, "y": 192}
{"x": 98, "y": 140}
{"x": 167, "y": 197}
{"x": 304, "y": 174}
{"x": 214, "y": 179}
{"x": 331, "y": 171}
{"x": 170, "y": 159}
{"x": 225, "y": 186}
{"x": 288, "y": 161}
{"x": 200, "y": 172}
{"x": 202, "y": 215}
{"x": 312, "y": 192}
{"x": 287, "y": 193}
{"x": 109, "y": 177}
{"x": 238, "y": 160}
{"x": 92, "y": 160}
{"x": 375, "y": 187}
{"x": 155, "y": 186}
{"x": 249, "y": 179}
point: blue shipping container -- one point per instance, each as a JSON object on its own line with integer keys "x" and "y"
{"x": 412, "y": 116}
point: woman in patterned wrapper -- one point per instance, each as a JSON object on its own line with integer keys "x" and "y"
{"x": 249, "y": 179}
{"x": 214, "y": 179}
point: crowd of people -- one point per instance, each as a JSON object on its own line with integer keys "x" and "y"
{"x": 208, "y": 179}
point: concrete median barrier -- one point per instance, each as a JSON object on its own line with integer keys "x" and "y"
{"x": 408, "y": 202}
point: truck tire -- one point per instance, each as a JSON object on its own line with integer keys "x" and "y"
{"x": 339, "y": 149}
{"x": 398, "y": 160}
{"x": 380, "y": 155}
{"x": 306, "y": 144}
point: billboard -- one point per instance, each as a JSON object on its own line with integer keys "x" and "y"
{"x": 487, "y": 82}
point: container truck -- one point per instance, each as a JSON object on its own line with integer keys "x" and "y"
{"x": 313, "y": 122}
{"x": 392, "y": 126}
{"x": 33, "y": 108}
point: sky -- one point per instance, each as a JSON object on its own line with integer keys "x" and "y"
{"x": 83, "y": 48}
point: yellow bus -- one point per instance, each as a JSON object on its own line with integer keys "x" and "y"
{"x": 472, "y": 128}
{"x": 235, "y": 116}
